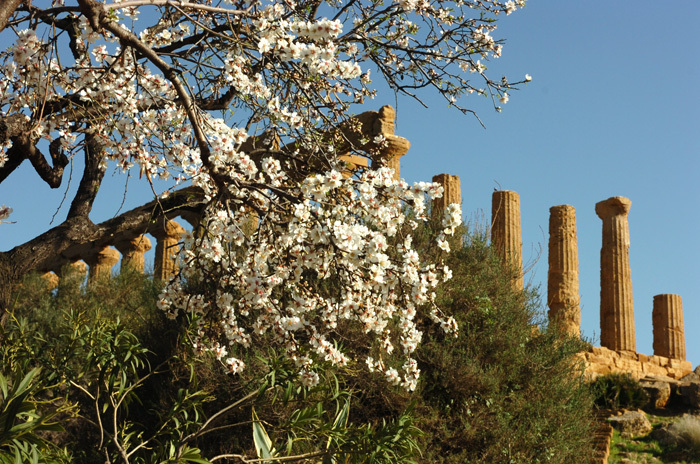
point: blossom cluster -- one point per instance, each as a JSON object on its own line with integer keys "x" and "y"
{"x": 5, "y": 212}
{"x": 301, "y": 270}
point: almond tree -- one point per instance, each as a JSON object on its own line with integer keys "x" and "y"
{"x": 248, "y": 104}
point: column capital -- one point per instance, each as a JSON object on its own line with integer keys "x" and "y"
{"x": 139, "y": 244}
{"x": 166, "y": 229}
{"x": 106, "y": 256}
{"x": 613, "y": 206}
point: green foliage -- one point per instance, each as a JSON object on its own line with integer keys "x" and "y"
{"x": 21, "y": 424}
{"x": 505, "y": 390}
{"x": 139, "y": 394}
{"x": 617, "y": 391}
{"x": 132, "y": 388}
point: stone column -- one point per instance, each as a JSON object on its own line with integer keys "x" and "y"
{"x": 616, "y": 303}
{"x": 76, "y": 268}
{"x": 669, "y": 335}
{"x": 506, "y": 235}
{"x": 562, "y": 280}
{"x": 395, "y": 146}
{"x": 132, "y": 252}
{"x": 101, "y": 263}
{"x": 167, "y": 234}
{"x": 452, "y": 193}
{"x": 51, "y": 279}
{"x": 72, "y": 275}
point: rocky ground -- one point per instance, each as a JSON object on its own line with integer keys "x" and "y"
{"x": 667, "y": 431}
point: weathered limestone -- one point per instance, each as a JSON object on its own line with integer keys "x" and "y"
{"x": 101, "y": 263}
{"x": 563, "y": 296}
{"x": 616, "y": 303}
{"x": 602, "y": 361}
{"x": 353, "y": 163}
{"x": 669, "y": 335}
{"x": 250, "y": 226}
{"x": 167, "y": 235}
{"x": 133, "y": 252}
{"x": 452, "y": 192}
{"x": 506, "y": 231}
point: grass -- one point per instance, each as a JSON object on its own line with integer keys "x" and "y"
{"x": 682, "y": 447}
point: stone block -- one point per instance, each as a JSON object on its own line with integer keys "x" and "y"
{"x": 659, "y": 392}
{"x": 658, "y": 360}
{"x": 626, "y": 354}
{"x": 631, "y": 423}
{"x": 653, "y": 369}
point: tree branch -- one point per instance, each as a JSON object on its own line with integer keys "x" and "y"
{"x": 92, "y": 178}
{"x": 7, "y": 9}
{"x": 74, "y": 238}
{"x": 52, "y": 175}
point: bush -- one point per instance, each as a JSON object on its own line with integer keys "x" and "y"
{"x": 506, "y": 390}
{"x": 131, "y": 386}
{"x": 685, "y": 435}
{"x": 619, "y": 391}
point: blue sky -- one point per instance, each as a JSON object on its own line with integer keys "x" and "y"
{"x": 612, "y": 110}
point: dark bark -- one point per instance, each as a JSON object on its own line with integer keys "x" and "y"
{"x": 15, "y": 128}
{"x": 92, "y": 178}
{"x": 52, "y": 175}
{"x": 7, "y": 9}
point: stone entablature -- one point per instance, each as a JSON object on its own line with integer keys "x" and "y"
{"x": 601, "y": 361}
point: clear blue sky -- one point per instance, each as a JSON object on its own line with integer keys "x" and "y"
{"x": 612, "y": 110}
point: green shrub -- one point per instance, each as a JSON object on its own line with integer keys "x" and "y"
{"x": 618, "y": 391}
{"x": 685, "y": 435}
{"x": 506, "y": 390}
{"x": 136, "y": 389}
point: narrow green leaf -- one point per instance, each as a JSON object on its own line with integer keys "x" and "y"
{"x": 263, "y": 444}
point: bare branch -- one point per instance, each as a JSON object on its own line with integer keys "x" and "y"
{"x": 176, "y": 4}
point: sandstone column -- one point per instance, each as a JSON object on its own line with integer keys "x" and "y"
{"x": 506, "y": 238}
{"x": 101, "y": 263}
{"x": 167, "y": 234}
{"x": 72, "y": 275}
{"x": 395, "y": 146}
{"x": 76, "y": 268}
{"x": 616, "y": 304}
{"x": 669, "y": 335}
{"x": 452, "y": 193}
{"x": 133, "y": 252}
{"x": 562, "y": 280}
{"x": 51, "y": 279}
